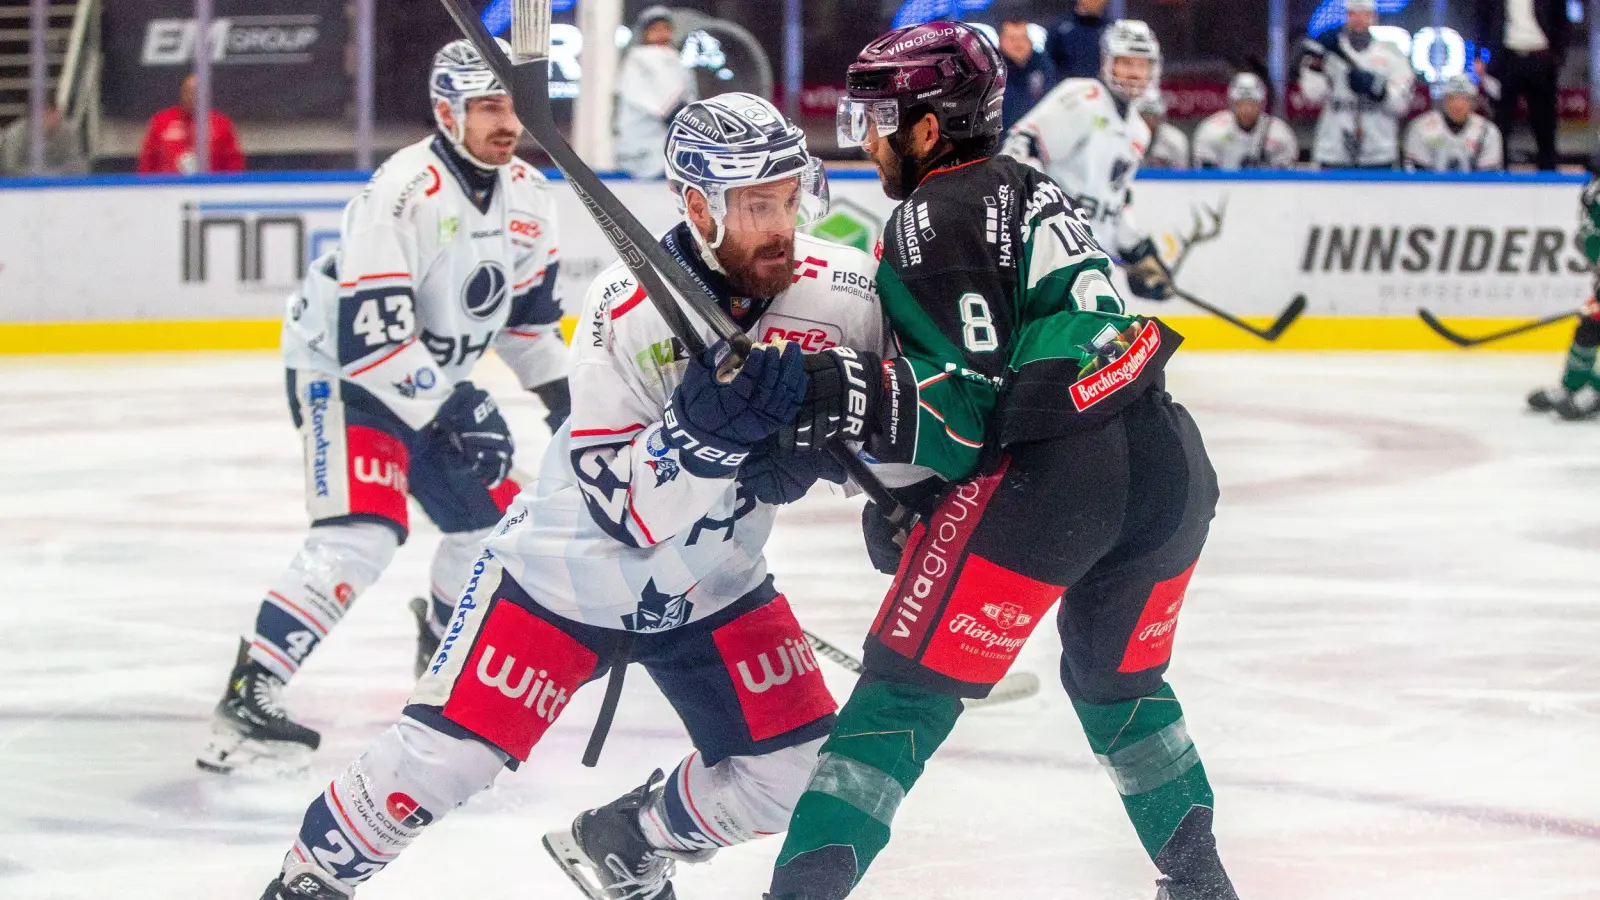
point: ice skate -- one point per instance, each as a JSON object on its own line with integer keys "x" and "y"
{"x": 1168, "y": 889}
{"x": 306, "y": 884}
{"x": 1583, "y": 403}
{"x": 427, "y": 641}
{"x": 606, "y": 856}
{"x": 250, "y": 729}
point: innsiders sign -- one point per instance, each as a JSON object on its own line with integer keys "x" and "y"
{"x": 1096, "y": 386}
{"x": 1006, "y": 615}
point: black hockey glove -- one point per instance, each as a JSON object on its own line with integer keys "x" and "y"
{"x": 471, "y": 425}
{"x": 713, "y": 424}
{"x": 1148, "y": 275}
{"x": 557, "y": 399}
{"x": 844, "y": 391}
{"x": 777, "y": 477}
{"x": 1366, "y": 84}
{"x": 886, "y": 540}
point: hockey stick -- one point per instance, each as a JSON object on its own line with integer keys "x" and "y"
{"x": 1461, "y": 340}
{"x": 528, "y": 80}
{"x": 1271, "y": 333}
{"x": 1016, "y": 686}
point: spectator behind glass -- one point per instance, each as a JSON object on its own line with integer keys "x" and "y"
{"x": 62, "y": 153}
{"x": 1074, "y": 44}
{"x": 1526, "y": 40}
{"x": 652, "y": 85}
{"x": 1028, "y": 74}
{"x": 169, "y": 143}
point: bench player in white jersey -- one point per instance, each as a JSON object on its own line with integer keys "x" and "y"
{"x": 1087, "y": 135}
{"x": 1245, "y": 135}
{"x": 450, "y": 249}
{"x": 1453, "y": 138}
{"x": 642, "y": 540}
{"x": 1169, "y": 146}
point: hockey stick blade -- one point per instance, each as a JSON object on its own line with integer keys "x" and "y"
{"x": 1285, "y": 319}
{"x": 1461, "y": 340}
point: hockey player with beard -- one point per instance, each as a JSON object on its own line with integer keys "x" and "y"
{"x": 1364, "y": 86}
{"x": 641, "y": 541}
{"x": 1088, "y": 136}
{"x": 1577, "y": 396}
{"x": 1453, "y": 138}
{"x": 1245, "y": 136}
{"x": 450, "y": 249}
{"x": 1058, "y": 465}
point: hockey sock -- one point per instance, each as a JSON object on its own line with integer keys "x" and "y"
{"x": 410, "y": 777}
{"x": 884, "y": 737}
{"x": 453, "y": 561}
{"x": 739, "y": 799}
{"x": 1581, "y": 355}
{"x": 1145, "y": 747}
{"x": 333, "y": 567}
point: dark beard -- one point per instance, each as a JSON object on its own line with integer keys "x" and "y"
{"x": 893, "y": 178}
{"x": 741, "y": 280}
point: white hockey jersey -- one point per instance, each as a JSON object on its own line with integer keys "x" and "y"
{"x": 615, "y": 531}
{"x": 1433, "y": 146}
{"x": 1169, "y": 149}
{"x": 652, "y": 82}
{"x": 1219, "y": 143}
{"x": 1091, "y": 145}
{"x": 1359, "y": 131}
{"x": 425, "y": 280}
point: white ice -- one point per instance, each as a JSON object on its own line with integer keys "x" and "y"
{"x": 1390, "y": 655}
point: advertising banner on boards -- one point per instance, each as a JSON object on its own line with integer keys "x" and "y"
{"x": 271, "y": 59}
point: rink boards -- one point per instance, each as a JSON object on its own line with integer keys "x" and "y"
{"x": 125, "y": 263}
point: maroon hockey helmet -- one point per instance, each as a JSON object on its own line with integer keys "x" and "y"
{"x": 948, "y": 67}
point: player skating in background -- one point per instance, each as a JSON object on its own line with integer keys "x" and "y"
{"x": 450, "y": 249}
{"x": 642, "y": 540}
{"x": 1245, "y": 136}
{"x": 1454, "y": 138}
{"x": 1577, "y": 395}
{"x": 1169, "y": 146}
{"x": 1060, "y": 462}
{"x": 1364, "y": 86}
{"x": 1086, "y": 135}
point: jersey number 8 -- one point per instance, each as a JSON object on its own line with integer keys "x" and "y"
{"x": 977, "y": 327}
{"x": 393, "y": 323}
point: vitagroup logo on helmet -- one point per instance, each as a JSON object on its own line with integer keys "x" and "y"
{"x": 950, "y": 66}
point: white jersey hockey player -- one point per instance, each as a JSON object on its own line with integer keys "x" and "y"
{"x": 1364, "y": 86}
{"x": 652, "y": 85}
{"x": 1245, "y": 136}
{"x": 450, "y": 250}
{"x": 1086, "y": 135}
{"x": 642, "y": 540}
{"x": 1169, "y": 146}
{"x": 1453, "y": 138}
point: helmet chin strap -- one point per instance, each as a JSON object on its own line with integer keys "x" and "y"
{"x": 708, "y": 248}
{"x": 457, "y": 136}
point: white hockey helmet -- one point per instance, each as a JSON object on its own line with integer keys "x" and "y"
{"x": 1370, "y": 6}
{"x": 461, "y": 74}
{"x": 1459, "y": 84}
{"x": 735, "y": 140}
{"x": 1247, "y": 87}
{"x": 1129, "y": 38}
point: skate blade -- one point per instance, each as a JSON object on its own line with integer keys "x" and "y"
{"x": 231, "y": 753}
{"x": 573, "y": 861}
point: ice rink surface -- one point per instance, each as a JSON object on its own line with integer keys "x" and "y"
{"x": 1390, "y": 655}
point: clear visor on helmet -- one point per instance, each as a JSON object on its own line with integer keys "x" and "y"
{"x": 781, "y": 204}
{"x": 854, "y": 117}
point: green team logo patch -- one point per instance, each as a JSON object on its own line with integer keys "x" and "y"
{"x": 849, "y": 224}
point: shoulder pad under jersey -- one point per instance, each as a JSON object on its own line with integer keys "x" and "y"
{"x": 835, "y": 267}
{"x": 405, "y": 179}
{"x": 612, "y": 295}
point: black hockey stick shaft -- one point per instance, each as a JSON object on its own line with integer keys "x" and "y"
{"x": 529, "y": 83}
{"x": 1270, "y": 333}
{"x": 1461, "y": 340}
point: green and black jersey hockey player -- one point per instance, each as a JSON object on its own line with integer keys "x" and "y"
{"x": 1577, "y": 396}
{"x": 1058, "y": 465}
